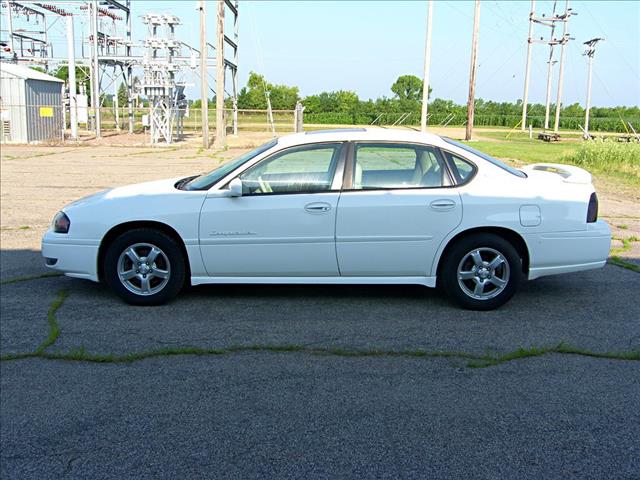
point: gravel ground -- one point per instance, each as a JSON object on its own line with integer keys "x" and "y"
{"x": 300, "y": 415}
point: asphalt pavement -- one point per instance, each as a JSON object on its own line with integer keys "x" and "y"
{"x": 321, "y": 410}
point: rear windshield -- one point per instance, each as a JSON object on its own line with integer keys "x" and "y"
{"x": 207, "y": 180}
{"x": 488, "y": 158}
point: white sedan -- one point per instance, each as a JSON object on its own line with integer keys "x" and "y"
{"x": 353, "y": 206}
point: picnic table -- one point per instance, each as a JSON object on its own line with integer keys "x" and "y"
{"x": 549, "y": 137}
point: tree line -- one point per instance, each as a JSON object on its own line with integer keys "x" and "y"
{"x": 345, "y": 107}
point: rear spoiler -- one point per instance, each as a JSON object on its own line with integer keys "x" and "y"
{"x": 569, "y": 173}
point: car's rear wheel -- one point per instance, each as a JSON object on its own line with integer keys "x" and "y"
{"x": 481, "y": 272}
{"x": 145, "y": 267}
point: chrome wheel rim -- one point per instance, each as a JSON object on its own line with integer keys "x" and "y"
{"x": 144, "y": 269}
{"x": 483, "y": 273}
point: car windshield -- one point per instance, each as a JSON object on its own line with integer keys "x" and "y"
{"x": 488, "y": 158}
{"x": 207, "y": 180}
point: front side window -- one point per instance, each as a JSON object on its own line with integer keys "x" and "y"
{"x": 306, "y": 169}
{"x": 390, "y": 166}
{"x": 207, "y": 180}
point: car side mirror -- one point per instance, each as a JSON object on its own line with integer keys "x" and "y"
{"x": 235, "y": 187}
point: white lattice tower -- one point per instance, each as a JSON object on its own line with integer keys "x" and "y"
{"x": 159, "y": 84}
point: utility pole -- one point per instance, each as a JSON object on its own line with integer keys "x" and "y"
{"x": 204, "y": 87}
{"x": 73, "y": 102}
{"x": 221, "y": 133}
{"x": 129, "y": 78}
{"x": 589, "y": 52}
{"x": 116, "y": 102}
{"x": 472, "y": 74}
{"x": 427, "y": 68}
{"x": 563, "y": 44}
{"x": 95, "y": 77}
{"x": 527, "y": 74}
{"x": 234, "y": 71}
{"x": 550, "y": 68}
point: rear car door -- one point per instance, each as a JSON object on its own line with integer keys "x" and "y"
{"x": 397, "y": 205}
{"x": 284, "y": 222}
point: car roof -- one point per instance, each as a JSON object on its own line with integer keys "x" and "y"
{"x": 360, "y": 134}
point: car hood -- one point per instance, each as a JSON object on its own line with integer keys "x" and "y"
{"x": 157, "y": 187}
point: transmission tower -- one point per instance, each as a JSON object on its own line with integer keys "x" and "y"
{"x": 159, "y": 84}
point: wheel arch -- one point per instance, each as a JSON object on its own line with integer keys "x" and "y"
{"x": 121, "y": 228}
{"x": 513, "y": 237}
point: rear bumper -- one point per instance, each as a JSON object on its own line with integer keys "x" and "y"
{"x": 565, "y": 252}
{"x": 77, "y": 258}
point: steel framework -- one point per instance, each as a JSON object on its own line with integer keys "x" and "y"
{"x": 110, "y": 53}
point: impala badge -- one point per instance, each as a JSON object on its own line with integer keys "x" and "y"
{"x": 231, "y": 234}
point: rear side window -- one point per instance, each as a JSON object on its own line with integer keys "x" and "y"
{"x": 488, "y": 158}
{"x": 393, "y": 166}
{"x": 461, "y": 169}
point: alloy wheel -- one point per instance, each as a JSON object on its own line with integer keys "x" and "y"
{"x": 144, "y": 269}
{"x": 483, "y": 273}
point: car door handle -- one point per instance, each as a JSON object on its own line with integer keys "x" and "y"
{"x": 317, "y": 207}
{"x": 442, "y": 205}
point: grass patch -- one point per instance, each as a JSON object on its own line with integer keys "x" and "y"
{"x": 54, "y": 329}
{"x": 9, "y": 229}
{"x": 621, "y": 160}
{"x": 154, "y": 151}
{"x": 623, "y": 227}
{"x": 607, "y": 157}
{"x": 54, "y": 332}
{"x": 527, "y": 151}
{"x": 619, "y": 262}
{"x": 25, "y": 278}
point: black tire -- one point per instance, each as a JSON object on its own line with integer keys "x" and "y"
{"x": 170, "y": 261}
{"x": 461, "y": 258}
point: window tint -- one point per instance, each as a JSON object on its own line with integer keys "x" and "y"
{"x": 462, "y": 170}
{"x": 397, "y": 166}
{"x": 297, "y": 170}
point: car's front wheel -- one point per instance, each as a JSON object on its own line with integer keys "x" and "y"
{"x": 145, "y": 267}
{"x": 481, "y": 272}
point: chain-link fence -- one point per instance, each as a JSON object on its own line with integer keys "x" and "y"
{"x": 189, "y": 120}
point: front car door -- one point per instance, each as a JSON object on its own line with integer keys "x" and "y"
{"x": 284, "y": 222}
{"x": 397, "y": 206}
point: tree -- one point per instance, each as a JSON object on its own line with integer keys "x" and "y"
{"x": 408, "y": 87}
{"x": 253, "y": 96}
{"x": 343, "y": 101}
{"x": 122, "y": 95}
{"x": 82, "y": 75}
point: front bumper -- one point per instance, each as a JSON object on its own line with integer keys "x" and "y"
{"x": 73, "y": 257}
{"x": 565, "y": 252}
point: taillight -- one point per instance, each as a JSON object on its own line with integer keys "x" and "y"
{"x": 592, "y": 211}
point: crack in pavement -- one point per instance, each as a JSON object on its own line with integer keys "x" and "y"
{"x": 473, "y": 360}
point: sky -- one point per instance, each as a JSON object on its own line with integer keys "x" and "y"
{"x": 365, "y": 45}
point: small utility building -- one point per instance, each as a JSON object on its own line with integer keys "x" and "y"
{"x": 30, "y": 105}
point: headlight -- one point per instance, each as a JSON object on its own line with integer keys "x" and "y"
{"x": 61, "y": 223}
